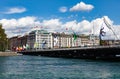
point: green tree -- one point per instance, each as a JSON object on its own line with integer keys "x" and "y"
{"x": 3, "y": 39}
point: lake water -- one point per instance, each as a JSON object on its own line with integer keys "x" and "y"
{"x": 37, "y": 67}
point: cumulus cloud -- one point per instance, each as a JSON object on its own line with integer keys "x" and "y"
{"x": 112, "y": 30}
{"x": 82, "y": 7}
{"x": 26, "y": 24}
{"x": 15, "y": 10}
{"x": 83, "y": 27}
{"x": 93, "y": 27}
{"x": 52, "y": 24}
{"x": 69, "y": 26}
{"x": 117, "y": 31}
{"x": 18, "y": 26}
{"x": 86, "y": 25}
{"x": 21, "y": 22}
{"x": 63, "y": 9}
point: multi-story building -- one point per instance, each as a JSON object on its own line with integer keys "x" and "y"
{"x": 68, "y": 40}
{"x": 17, "y": 42}
{"x": 39, "y": 39}
{"x": 13, "y": 43}
{"x": 93, "y": 40}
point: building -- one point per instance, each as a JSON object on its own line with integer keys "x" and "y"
{"x": 13, "y": 43}
{"x": 38, "y": 39}
{"x": 68, "y": 40}
{"x": 42, "y": 39}
{"x": 17, "y": 42}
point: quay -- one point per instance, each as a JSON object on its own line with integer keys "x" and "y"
{"x": 99, "y": 52}
{"x": 9, "y": 53}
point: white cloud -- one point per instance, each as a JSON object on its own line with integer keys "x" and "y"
{"x": 96, "y": 24}
{"x": 18, "y": 26}
{"x": 82, "y": 7}
{"x": 86, "y": 25}
{"x": 25, "y": 24}
{"x": 69, "y": 25}
{"x": 63, "y": 9}
{"x": 93, "y": 27}
{"x": 114, "y": 30}
{"x": 117, "y": 30}
{"x": 25, "y": 21}
{"x": 52, "y": 24}
{"x": 82, "y": 27}
{"x": 15, "y": 10}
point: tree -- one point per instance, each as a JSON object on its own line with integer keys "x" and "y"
{"x": 3, "y": 39}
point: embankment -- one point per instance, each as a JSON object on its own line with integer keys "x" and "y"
{"x": 8, "y": 53}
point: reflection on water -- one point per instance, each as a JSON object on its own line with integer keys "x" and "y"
{"x": 36, "y": 67}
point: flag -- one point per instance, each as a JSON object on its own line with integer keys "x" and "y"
{"x": 66, "y": 28}
{"x": 43, "y": 43}
{"x": 55, "y": 40}
{"x": 24, "y": 47}
{"x": 74, "y": 36}
{"x": 36, "y": 26}
{"x": 35, "y": 45}
{"x": 27, "y": 46}
{"x": 102, "y": 33}
{"x": 41, "y": 27}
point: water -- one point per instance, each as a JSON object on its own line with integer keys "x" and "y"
{"x": 36, "y": 67}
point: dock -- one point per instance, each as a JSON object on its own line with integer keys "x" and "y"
{"x": 98, "y": 52}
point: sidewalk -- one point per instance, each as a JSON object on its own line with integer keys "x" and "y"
{"x": 8, "y": 53}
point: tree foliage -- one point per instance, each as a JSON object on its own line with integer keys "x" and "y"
{"x": 3, "y": 39}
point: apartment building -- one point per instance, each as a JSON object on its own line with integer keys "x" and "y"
{"x": 38, "y": 39}
{"x": 42, "y": 39}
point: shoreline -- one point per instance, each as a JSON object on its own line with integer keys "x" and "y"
{"x": 9, "y": 54}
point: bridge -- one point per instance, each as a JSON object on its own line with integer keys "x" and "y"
{"x": 98, "y": 52}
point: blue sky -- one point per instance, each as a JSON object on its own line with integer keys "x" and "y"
{"x": 60, "y": 11}
{"x": 50, "y": 9}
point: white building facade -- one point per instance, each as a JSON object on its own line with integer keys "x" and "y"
{"x": 40, "y": 39}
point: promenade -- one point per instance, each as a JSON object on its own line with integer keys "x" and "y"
{"x": 8, "y": 53}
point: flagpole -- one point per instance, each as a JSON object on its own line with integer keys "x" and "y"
{"x": 93, "y": 37}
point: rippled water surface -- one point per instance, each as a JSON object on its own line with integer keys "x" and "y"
{"x": 36, "y": 67}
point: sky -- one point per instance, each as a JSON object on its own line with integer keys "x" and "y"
{"x": 81, "y": 16}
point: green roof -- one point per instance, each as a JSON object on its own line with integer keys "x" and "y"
{"x": 40, "y": 31}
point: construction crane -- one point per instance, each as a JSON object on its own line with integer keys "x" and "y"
{"x": 110, "y": 27}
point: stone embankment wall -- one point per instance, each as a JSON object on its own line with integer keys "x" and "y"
{"x": 8, "y": 54}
